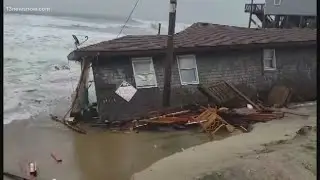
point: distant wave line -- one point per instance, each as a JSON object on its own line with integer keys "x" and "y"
{"x": 76, "y": 15}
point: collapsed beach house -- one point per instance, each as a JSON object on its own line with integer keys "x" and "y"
{"x": 204, "y": 53}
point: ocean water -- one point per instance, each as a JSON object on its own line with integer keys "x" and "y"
{"x": 37, "y": 74}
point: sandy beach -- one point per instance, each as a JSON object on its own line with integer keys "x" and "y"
{"x": 272, "y": 150}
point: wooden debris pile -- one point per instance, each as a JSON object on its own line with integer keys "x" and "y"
{"x": 177, "y": 120}
{"x": 211, "y": 122}
{"x": 210, "y": 119}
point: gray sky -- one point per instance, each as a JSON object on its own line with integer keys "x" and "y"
{"x": 189, "y": 11}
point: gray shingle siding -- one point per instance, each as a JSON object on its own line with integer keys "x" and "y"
{"x": 297, "y": 65}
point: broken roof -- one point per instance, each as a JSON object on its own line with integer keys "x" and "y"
{"x": 199, "y": 36}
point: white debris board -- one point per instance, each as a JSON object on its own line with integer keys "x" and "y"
{"x": 126, "y": 91}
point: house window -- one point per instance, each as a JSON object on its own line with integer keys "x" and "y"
{"x": 269, "y": 59}
{"x": 144, "y": 73}
{"x": 277, "y": 2}
{"x": 188, "y": 69}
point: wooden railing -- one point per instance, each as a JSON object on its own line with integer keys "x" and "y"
{"x": 257, "y": 8}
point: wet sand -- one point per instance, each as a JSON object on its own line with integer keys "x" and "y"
{"x": 239, "y": 153}
{"x": 99, "y": 155}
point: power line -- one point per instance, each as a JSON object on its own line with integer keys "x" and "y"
{"x": 129, "y": 17}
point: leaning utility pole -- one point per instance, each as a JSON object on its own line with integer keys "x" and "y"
{"x": 169, "y": 55}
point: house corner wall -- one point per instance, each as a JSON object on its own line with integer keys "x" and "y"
{"x": 296, "y": 69}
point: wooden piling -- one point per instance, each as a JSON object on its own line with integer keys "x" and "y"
{"x": 170, "y": 51}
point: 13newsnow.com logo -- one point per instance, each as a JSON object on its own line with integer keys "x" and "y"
{"x": 26, "y": 9}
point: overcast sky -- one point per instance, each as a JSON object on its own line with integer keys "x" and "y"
{"x": 189, "y": 11}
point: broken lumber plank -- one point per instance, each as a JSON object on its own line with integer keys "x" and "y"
{"x": 170, "y": 114}
{"x": 195, "y": 122}
{"x": 243, "y": 96}
{"x": 72, "y": 127}
{"x": 244, "y": 129}
{"x": 139, "y": 126}
{"x": 79, "y": 99}
{"x": 14, "y": 176}
{"x": 200, "y": 121}
{"x": 175, "y": 119}
{"x": 211, "y": 119}
{"x": 168, "y": 120}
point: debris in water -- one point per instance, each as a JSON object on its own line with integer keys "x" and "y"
{"x": 304, "y": 130}
{"x": 30, "y": 90}
{"x": 65, "y": 67}
{"x": 58, "y": 160}
{"x": 33, "y": 169}
{"x": 37, "y": 101}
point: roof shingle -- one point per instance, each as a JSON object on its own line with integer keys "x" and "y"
{"x": 204, "y": 35}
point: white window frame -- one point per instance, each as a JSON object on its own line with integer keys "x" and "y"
{"x": 274, "y": 60}
{"x": 143, "y": 59}
{"x": 277, "y": 2}
{"x": 196, "y": 69}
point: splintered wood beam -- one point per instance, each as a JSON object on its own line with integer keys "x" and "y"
{"x": 68, "y": 125}
{"x": 78, "y": 97}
